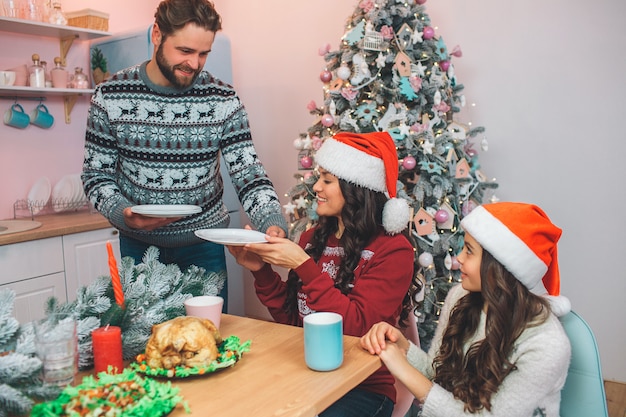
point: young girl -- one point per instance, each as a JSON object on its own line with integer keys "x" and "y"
{"x": 499, "y": 349}
{"x": 354, "y": 262}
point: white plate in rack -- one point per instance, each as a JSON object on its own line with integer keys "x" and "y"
{"x": 39, "y": 194}
{"x": 166, "y": 210}
{"x": 63, "y": 194}
{"x": 231, "y": 237}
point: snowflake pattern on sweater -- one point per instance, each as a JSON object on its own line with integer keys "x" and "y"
{"x": 149, "y": 144}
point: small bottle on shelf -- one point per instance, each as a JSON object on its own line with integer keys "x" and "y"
{"x": 48, "y": 80}
{"x": 58, "y": 74}
{"x": 37, "y": 74}
{"x": 79, "y": 80}
{"x": 57, "y": 17}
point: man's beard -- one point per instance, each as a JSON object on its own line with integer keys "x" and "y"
{"x": 170, "y": 75}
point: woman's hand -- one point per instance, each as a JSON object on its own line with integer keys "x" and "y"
{"x": 375, "y": 340}
{"x": 278, "y": 251}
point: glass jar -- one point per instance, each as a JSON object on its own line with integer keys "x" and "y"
{"x": 58, "y": 74}
{"x": 48, "y": 80}
{"x": 57, "y": 17}
{"x": 79, "y": 80}
{"x": 37, "y": 74}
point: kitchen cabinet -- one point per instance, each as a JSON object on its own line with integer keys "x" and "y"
{"x": 35, "y": 271}
{"x": 86, "y": 258}
{"x": 66, "y": 36}
{"x": 54, "y": 267}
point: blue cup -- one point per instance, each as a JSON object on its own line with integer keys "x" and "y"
{"x": 41, "y": 117}
{"x": 15, "y": 117}
{"x": 323, "y": 341}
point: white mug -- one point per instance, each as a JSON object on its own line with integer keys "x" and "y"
{"x": 7, "y": 78}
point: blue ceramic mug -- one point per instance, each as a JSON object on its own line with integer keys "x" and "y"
{"x": 15, "y": 117}
{"x": 323, "y": 341}
{"x": 41, "y": 117}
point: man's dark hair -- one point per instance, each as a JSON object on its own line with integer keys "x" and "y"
{"x": 173, "y": 15}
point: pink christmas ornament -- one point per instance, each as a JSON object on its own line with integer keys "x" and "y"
{"x": 326, "y": 76}
{"x": 328, "y": 120}
{"x": 306, "y": 162}
{"x": 441, "y": 216}
{"x": 455, "y": 265}
{"x": 456, "y": 51}
{"x": 420, "y": 1}
{"x": 429, "y": 33}
{"x": 444, "y": 65}
{"x": 324, "y": 49}
{"x": 409, "y": 162}
{"x": 316, "y": 142}
{"x": 425, "y": 259}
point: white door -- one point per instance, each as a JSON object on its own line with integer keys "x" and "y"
{"x": 86, "y": 257}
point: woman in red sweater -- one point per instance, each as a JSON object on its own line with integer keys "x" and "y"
{"x": 353, "y": 262}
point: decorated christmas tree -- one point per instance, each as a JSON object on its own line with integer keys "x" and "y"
{"x": 393, "y": 72}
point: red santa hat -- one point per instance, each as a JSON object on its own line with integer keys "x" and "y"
{"x": 368, "y": 160}
{"x": 522, "y": 238}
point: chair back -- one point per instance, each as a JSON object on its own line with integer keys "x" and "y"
{"x": 583, "y": 394}
{"x": 404, "y": 398}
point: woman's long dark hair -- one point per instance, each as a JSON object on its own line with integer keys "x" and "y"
{"x": 474, "y": 377}
{"x": 362, "y": 216}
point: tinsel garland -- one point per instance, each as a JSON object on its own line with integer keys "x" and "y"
{"x": 153, "y": 292}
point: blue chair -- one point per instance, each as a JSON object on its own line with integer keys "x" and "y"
{"x": 583, "y": 394}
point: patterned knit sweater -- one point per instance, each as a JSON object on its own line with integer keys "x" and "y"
{"x": 541, "y": 355}
{"x": 149, "y": 144}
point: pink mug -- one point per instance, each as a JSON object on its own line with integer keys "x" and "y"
{"x": 205, "y": 306}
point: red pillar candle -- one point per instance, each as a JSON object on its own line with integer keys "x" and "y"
{"x": 107, "y": 349}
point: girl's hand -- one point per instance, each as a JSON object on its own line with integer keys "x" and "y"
{"x": 374, "y": 341}
{"x": 278, "y": 251}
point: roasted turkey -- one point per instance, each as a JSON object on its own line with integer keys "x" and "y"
{"x": 183, "y": 341}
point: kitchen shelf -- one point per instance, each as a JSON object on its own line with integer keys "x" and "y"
{"x": 69, "y": 95}
{"x": 31, "y": 27}
{"x": 66, "y": 36}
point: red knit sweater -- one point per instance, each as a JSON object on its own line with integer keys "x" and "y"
{"x": 381, "y": 280}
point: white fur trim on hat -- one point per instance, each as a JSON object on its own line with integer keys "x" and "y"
{"x": 507, "y": 248}
{"x": 396, "y": 214}
{"x": 352, "y": 165}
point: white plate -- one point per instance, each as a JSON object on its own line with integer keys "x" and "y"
{"x": 232, "y": 237}
{"x": 63, "y": 194}
{"x": 39, "y": 194}
{"x": 166, "y": 210}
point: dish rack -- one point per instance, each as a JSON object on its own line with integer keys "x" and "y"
{"x": 29, "y": 208}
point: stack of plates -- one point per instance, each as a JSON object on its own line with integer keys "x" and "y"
{"x": 68, "y": 193}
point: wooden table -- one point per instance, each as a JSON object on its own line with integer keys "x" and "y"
{"x": 272, "y": 379}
